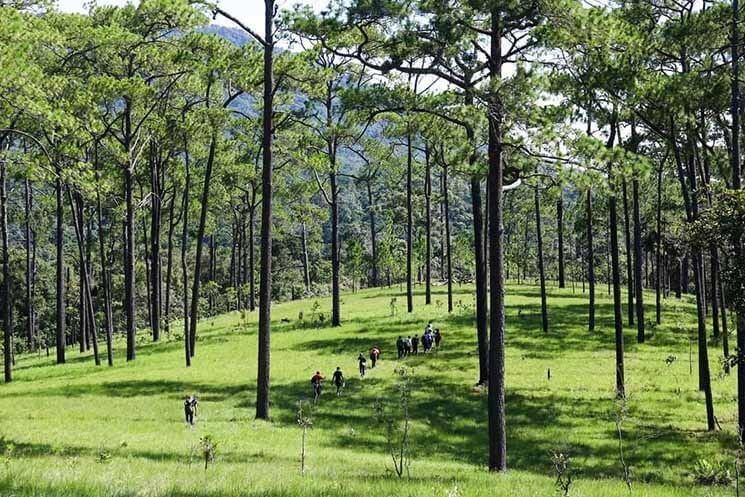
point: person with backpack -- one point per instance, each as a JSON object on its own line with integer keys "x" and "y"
{"x": 415, "y": 345}
{"x": 427, "y": 342}
{"x": 317, "y": 382}
{"x": 374, "y": 355}
{"x": 363, "y": 364}
{"x": 190, "y": 409}
{"x": 407, "y": 346}
{"x": 338, "y": 380}
{"x": 438, "y": 338}
{"x": 400, "y": 347}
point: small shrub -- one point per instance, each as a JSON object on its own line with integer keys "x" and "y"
{"x": 711, "y": 473}
{"x": 563, "y": 469}
{"x": 208, "y": 448}
{"x": 305, "y": 421}
{"x": 314, "y": 310}
{"x": 103, "y": 456}
{"x": 397, "y": 424}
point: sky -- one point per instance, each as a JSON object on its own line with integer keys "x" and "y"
{"x": 249, "y": 12}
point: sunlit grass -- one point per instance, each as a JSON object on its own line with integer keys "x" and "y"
{"x": 79, "y": 430}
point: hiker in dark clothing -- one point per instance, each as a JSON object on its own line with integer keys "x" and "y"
{"x": 190, "y": 409}
{"x": 317, "y": 381}
{"x": 427, "y": 342}
{"x": 374, "y": 355}
{"x": 338, "y": 380}
{"x": 400, "y": 347}
{"x": 438, "y": 338}
{"x": 415, "y": 345}
{"x": 363, "y": 364}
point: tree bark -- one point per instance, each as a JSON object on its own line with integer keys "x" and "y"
{"x": 88, "y": 314}
{"x": 638, "y": 260}
{"x": 155, "y": 265}
{"x": 658, "y": 251}
{"x": 265, "y": 287}
{"x": 373, "y": 234}
{"x": 590, "y": 264}
{"x": 735, "y": 110}
{"x": 629, "y": 255}
{"x": 335, "y": 248}
{"x": 560, "y": 231}
{"x": 448, "y": 259}
{"x": 306, "y": 265}
{"x": 251, "y": 260}
{"x": 482, "y": 311}
{"x": 541, "y": 269}
{"x": 409, "y": 224}
{"x": 6, "y": 296}
{"x": 195, "y": 290}
{"x": 129, "y": 264}
{"x": 30, "y": 242}
{"x": 616, "y": 276}
{"x": 60, "y": 270}
{"x": 105, "y": 279}
{"x": 184, "y": 246}
{"x": 172, "y": 221}
{"x": 496, "y": 400}
{"x": 428, "y": 229}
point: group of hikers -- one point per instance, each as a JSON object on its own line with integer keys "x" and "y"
{"x": 404, "y": 345}
{"x": 410, "y": 345}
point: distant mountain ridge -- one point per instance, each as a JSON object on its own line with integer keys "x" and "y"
{"x": 235, "y": 36}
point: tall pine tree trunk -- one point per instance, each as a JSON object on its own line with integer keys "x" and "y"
{"x": 409, "y": 224}
{"x": 658, "y": 250}
{"x": 105, "y": 279}
{"x": 195, "y": 290}
{"x": 638, "y": 259}
{"x": 428, "y": 229}
{"x": 560, "y": 233}
{"x": 446, "y": 215}
{"x": 629, "y": 254}
{"x": 60, "y": 270}
{"x": 184, "y": 247}
{"x": 6, "y": 296}
{"x": 496, "y": 409}
{"x": 265, "y": 286}
{"x": 590, "y": 263}
{"x": 541, "y": 269}
{"x": 155, "y": 264}
{"x": 30, "y": 242}
{"x": 373, "y": 235}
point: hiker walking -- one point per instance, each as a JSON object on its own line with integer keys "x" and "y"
{"x": 363, "y": 364}
{"x": 400, "y": 347}
{"x": 427, "y": 342}
{"x": 438, "y": 338}
{"x": 190, "y": 409}
{"x": 338, "y": 380}
{"x": 317, "y": 382}
{"x": 374, "y": 355}
{"x": 415, "y": 345}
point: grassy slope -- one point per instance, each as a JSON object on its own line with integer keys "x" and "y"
{"x": 60, "y": 420}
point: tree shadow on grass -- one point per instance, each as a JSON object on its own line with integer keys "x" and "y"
{"x": 209, "y": 392}
{"x": 450, "y": 424}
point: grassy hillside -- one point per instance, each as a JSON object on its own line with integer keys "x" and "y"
{"x": 79, "y": 430}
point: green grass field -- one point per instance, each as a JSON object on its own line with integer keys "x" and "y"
{"x": 79, "y": 430}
